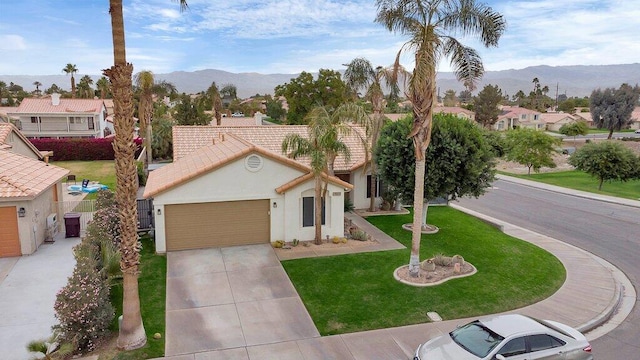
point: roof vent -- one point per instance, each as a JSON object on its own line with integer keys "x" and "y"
{"x": 253, "y": 163}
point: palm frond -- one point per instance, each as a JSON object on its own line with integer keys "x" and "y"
{"x": 465, "y": 61}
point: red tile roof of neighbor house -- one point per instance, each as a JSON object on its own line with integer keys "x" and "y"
{"x": 221, "y": 150}
{"x": 552, "y": 118}
{"x": 23, "y": 177}
{"x": 516, "y": 110}
{"x": 187, "y": 139}
{"x": 7, "y": 128}
{"x": 45, "y": 106}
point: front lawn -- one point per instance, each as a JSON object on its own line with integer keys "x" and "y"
{"x": 357, "y": 292}
{"x": 579, "y": 180}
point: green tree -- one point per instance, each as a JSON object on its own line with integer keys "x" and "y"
{"x": 574, "y": 128}
{"x": 54, "y": 89}
{"x": 229, "y": 91}
{"x": 305, "y": 93}
{"x": 465, "y": 96}
{"x": 275, "y": 110}
{"x": 360, "y": 75}
{"x": 37, "y": 84}
{"x": 462, "y": 161}
{"x": 85, "y": 91}
{"x": 103, "y": 86}
{"x": 132, "y": 334}
{"x": 450, "y": 98}
{"x": 531, "y": 148}
{"x": 71, "y": 69}
{"x": 432, "y": 27}
{"x": 162, "y": 141}
{"x": 611, "y": 109}
{"x": 322, "y": 146}
{"x": 486, "y": 105}
{"x": 188, "y": 112}
{"x": 607, "y": 161}
{"x": 215, "y": 97}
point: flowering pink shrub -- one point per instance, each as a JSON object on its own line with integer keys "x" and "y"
{"x": 82, "y": 307}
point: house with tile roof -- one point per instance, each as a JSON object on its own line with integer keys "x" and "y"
{"x": 62, "y": 118}
{"x": 223, "y": 189}
{"x": 586, "y": 117}
{"x": 554, "y": 121}
{"x": 516, "y": 117}
{"x": 455, "y": 110}
{"x": 13, "y": 140}
{"x": 29, "y": 189}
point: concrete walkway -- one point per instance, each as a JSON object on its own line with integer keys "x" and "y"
{"x": 594, "y": 293}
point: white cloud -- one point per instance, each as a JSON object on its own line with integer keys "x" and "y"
{"x": 12, "y": 42}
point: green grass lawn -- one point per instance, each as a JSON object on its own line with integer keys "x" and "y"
{"x": 579, "y": 180}
{"x": 152, "y": 289}
{"x": 357, "y": 292}
{"x": 102, "y": 171}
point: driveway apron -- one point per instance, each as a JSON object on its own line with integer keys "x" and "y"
{"x": 223, "y": 300}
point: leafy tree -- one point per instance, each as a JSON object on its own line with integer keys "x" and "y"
{"x": 450, "y": 98}
{"x": 132, "y": 334}
{"x": 275, "y": 110}
{"x": 465, "y": 96}
{"x": 575, "y": 128}
{"x": 531, "y": 148}
{"x": 461, "y": 160}
{"x": 607, "y": 161}
{"x": 611, "y": 109}
{"x": 164, "y": 88}
{"x": 431, "y": 27}
{"x": 304, "y": 93}
{"x": 54, "y": 89}
{"x": 71, "y": 69}
{"x": 229, "y": 91}
{"x": 322, "y": 146}
{"x": 215, "y": 97}
{"x": 187, "y": 112}
{"x": 162, "y": 141}
{"x": 568, "y": 106}
{"x": 360, "y": 74}
{"x": 486, "y": 105}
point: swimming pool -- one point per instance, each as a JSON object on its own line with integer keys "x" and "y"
{"x": 91, "y": 188}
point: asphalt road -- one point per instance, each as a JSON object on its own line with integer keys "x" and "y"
{"x": 610, "y": 231}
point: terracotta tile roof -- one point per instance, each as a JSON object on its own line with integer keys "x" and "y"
{"x": 187, "y": 139}
{"x": 452, "y": 110}
{"x": 510, "y": 111}
{"x": 23, "y": 177}
{"x": 44, "y": 106}
{"x": 236, "y": 121}
{"x": 221, "y": 150}
{"x": 552, "y": 118}
{"x": 308, "y": 176}
{"x": 7, "y": 128}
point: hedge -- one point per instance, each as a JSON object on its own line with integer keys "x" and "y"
{"x": 79, "y": 149}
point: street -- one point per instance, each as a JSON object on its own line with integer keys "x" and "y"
{"x": 610, "y": 231}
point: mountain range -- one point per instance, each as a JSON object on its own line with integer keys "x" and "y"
{"x": 576, "y": 80}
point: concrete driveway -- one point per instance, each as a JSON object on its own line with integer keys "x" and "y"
{"x": 225, "y": 303}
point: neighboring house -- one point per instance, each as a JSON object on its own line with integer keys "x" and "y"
{"x": 29, "y": 189}
{"x": 256, "y": 120}
{"x": 227, "y": 191}
{"x": 187, "y": 139}
{"x": 62, "y": 118}
{"x": 554, "y": 121}
{"x": 516, "y": 117}
{"x": 635, "y": 118}
{"x": 13, "y": 140}
{"x": 586, "y": 117}
{"x": 457, "y": 111}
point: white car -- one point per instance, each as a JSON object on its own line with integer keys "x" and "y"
{"x": 512, "y": 337}
{"x": 637, "y": 131}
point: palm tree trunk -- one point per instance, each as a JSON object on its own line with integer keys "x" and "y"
{"x": 378, "y": 103}
{"x": 73, "y": 87}
{"x": 318, "y": 210}
{"x": 132, "y": 334}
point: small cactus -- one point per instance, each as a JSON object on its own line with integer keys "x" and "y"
{"x": 359, "y": 235}
{"x": 442, "y": 260}
{"x": 428, "y": 265}
{"x": 458, "y": 259}
{"x": 278, "y": 244}
{"x": 336, "y": 240}
{"x": 295, "y": 242}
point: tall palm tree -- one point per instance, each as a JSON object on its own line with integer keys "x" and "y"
{"x": 71, "y": 69}
{"x": 322, "y": 145}
{"x": 37, "y": 84}
{"x": 84, "y": 87}
{"x": 361, "y": 75}
{"x": 103, "y": 86}
{"x": 216, "y": 102}
{"x": 132, "y": 334}
{"x": 431, "y": 27}
{"x": 145, "y": 82}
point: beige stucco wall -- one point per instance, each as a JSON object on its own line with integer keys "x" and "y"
{"x": 234, "y": 182}
{"x": 18, "y": 146}
{"x": 359, "y": 192}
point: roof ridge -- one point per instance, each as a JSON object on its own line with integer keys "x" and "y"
{"x": 18, "y": 186}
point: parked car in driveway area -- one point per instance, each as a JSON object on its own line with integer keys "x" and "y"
{"x": 511, "y": 337}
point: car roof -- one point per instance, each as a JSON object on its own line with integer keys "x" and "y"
{"x": 512, "y": 324}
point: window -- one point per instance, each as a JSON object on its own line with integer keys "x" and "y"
{"x": 378, "y": 187}
{"x": 535, "y": 117}
{"x": 514, "y": 347}
{"x": 543, "y": 342}
{"x": 34, "y": 119}
{"x": 308, "y": 208}
{"x": 500, "y": 125}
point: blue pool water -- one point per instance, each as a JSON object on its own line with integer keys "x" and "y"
{"x": 91, "y": 188}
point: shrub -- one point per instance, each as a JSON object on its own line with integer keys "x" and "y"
{"x": 359, "y": 235}
{"x": 82, "y": 306}
{"x": 278, "y": 244}
{"x": 142, "y": 177}
{"x": 348, "y": 205}
{"x": 77, "y": 149}
{"x": 442, "y": 260}
{"x": 336, "y": 240}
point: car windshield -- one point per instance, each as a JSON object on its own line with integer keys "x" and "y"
{"x": 476, "y": 338}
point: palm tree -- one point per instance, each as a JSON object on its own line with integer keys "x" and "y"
{"x": 103, "y": 86}
{"x": 145, "y": 82}
{"x": 322, "y": 146}
{"x": 360, "y": 74}
{"x": 132, "y": 334}
{"x": 84, "y": 87}
{"x": 71, "y": 69}
{"x": 432, "y": 26}
{"x": 216, "y": 102}
{"x": 37, "y": 84}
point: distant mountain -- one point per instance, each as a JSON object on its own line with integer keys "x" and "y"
{"x": 570, "y": 80}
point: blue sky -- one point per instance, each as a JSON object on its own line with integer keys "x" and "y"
{"x": 39, "y": 37}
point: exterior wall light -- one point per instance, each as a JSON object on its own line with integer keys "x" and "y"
{"x": 275, "y": 204}
{"x": 22, "y": 212}
{"x": 159, "y": 212}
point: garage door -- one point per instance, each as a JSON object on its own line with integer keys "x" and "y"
{"x": 9, "y": 239}
{"x": 203, "y": 225}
